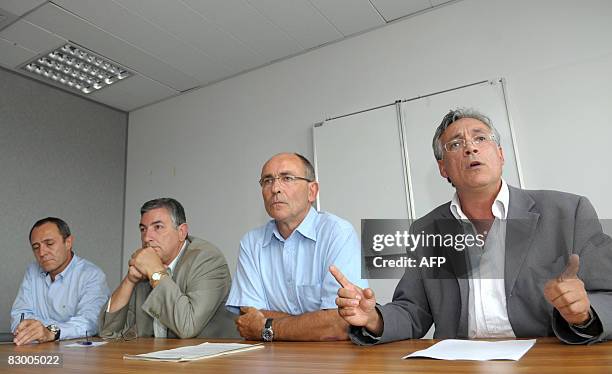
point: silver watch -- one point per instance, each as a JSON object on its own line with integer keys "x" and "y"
{"x": 56, "y": 330}
{"x": 267, "y": 334}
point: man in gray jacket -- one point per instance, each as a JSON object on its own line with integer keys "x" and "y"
{"x": 176, "y": 285}
{"x": 551, "y": 255}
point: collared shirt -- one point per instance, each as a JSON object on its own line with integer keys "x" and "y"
{"x": 487, "y": 310}
{"x": 292, "y": 275}
{"x": 72, "y": 302}
{"x": 159, "y": 330}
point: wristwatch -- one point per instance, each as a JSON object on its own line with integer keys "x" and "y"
{"x": 56, "y": 330}
{"x": 267, "y": 334}
{"x": 157, "y": 276}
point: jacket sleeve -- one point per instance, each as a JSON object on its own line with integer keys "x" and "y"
{"x": 187, "y": 312}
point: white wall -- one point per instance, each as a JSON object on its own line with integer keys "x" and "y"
{"x": 206, "y": 148}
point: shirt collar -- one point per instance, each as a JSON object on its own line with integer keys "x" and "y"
{"x": 499, "y": 207}
{"x": 306, "y": 228}
{"x": 175, "y": 261}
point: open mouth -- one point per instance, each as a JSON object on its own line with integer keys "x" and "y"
{"x": 475, "y": 164}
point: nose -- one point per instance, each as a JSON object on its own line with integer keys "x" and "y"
{"x": 470, "y": 148}
{"x": 146, "y": 236}
{"x": 44, "y": 250}
{"x": 276, "y": 186}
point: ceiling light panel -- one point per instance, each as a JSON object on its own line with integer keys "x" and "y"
{"x": 76, "y": 68}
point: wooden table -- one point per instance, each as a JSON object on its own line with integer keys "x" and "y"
{"x": 547, "y": 356}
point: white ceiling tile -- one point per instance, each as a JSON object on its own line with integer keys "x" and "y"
{"x": 31, "y": 36}
{"x": 73, "y": 28}
{"x": 180, "y": 20}
{"x": 133, "y": 29}
{"x": 12, "y": 55}
{"x": 394, "y": 9}
{"x": 350, "y": 16}
{"x": 247, "y": 24}
{"x": 300, "y": 20}
{"x": 19, "y": 7}
{"x": 132, "y": 93}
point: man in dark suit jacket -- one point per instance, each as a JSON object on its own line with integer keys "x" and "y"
{"x": 176, "y": 285}
{"x": 554, "y": 257}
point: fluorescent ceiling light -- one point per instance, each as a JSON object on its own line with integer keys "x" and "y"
{"x": 77, "y": 68}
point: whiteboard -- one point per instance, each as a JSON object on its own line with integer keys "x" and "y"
{"x": 359, "y": 158}
{"x": 358, "y": 162}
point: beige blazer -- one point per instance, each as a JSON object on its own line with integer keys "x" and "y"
{"x": 190, "y": 304}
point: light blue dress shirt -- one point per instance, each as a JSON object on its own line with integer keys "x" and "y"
{"x": 72, "y": 302}
{"x": 292, "y": 275}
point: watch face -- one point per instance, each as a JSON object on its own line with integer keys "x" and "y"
{"x": 52, "y": 328}
{"x": 267, "y": 335}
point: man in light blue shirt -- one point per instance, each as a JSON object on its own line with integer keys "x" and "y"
{"x": 282, "y": 287}
{"x": 61, "y": 294}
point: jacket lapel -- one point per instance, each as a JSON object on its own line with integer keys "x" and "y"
{"x": 448, "y": 224}
{"x": 520, "y": 228}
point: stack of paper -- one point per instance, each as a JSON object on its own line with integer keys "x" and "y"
{"x": 453, "y": 349}
{"x": 194, "y": 352}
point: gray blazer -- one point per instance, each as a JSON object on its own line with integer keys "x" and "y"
{"x": 543, "y": 229}
{"x": 189, "y": 304}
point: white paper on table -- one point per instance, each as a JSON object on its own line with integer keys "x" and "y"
{"x": 454, "y": 349}
{"x": 195, "y": 352}
{"x": 80, "y": 345}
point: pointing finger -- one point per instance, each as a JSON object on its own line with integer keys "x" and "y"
{"x": 344, "y": 282}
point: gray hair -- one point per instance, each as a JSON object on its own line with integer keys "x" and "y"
{"x": 172, "y": 206}
{"x": 310, "y": 173}
{"x": 455, "y": 115}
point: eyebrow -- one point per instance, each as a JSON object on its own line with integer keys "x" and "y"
{"x": 41, "y": 241}
{"x": 281, "y": 173}
{"x": 477, "y": 130}
{"x": 152, "y": 223}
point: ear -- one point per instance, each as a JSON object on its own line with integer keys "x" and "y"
{"x": 501, "y": 155}
{"x": 442, "y": 168}
{"x": 68, "y": 242}
{"x": 183, "y": 230}
{"x": 313, "y": 191}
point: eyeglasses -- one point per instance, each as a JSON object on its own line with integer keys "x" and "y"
{"x": 456, "y": 144}
{"x": 284, "y": 180}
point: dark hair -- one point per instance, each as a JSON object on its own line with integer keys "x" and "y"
{"x": 310, "y": 173}
{"x": 172, "y": 206}
{"x": 62, "y": 226}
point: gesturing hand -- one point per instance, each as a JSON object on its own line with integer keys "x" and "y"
{"x": 568, "y": 295}
{"x": 356, "y": 306}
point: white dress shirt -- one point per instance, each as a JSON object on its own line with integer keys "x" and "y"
{"x": 487, "y": 313}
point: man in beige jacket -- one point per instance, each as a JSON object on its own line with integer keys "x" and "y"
{"x": 176, "y": 284}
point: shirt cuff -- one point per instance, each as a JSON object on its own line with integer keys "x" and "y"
{"x": 589, "y": 329}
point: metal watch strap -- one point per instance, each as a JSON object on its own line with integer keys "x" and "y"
{"x": 267, "y": 334}
{"x": 56, "y": 330}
